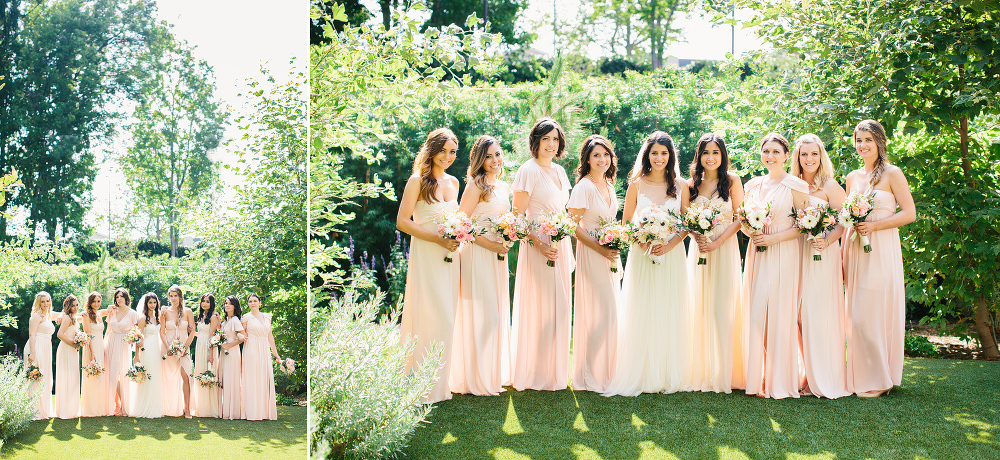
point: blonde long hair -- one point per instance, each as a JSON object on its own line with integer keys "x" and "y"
{"x": 881, "y": 143}
{"x": 825, "y": 171}
{"x": 423, "y": 164}
{"x": 36, "y": 306}
{"x": 180, "y": 293}
{"x": 477, "y": 158}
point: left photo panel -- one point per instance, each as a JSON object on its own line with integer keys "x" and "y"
{"x": 153, "y": 228}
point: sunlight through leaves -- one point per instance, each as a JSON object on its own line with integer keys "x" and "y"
{"x": 731, "y": 453}
{"x": 448, "y": 438}
{"x": 583, "y": 452}
{"x": 579, "y": 424}
{"x": 825, "y": 455}
{"x": 775, "y": 426}
{"x": 512, "y": 425}
{"x": 711, "y": 421}
{"x": 637, "y": 422}
{"x": 651, "y": 451}
{"x": 502, "y": 453}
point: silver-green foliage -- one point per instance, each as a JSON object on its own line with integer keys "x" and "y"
{"x": 17, "y": 408}
{"x": 362, "y": 403}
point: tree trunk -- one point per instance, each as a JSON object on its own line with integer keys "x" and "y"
{"x": 985, "y": 329}
{"x": 386, "y": 12}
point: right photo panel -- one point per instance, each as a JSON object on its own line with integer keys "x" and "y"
{"x": 618, "y": 229}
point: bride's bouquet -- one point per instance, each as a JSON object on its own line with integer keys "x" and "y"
{"x": 455, "y": 225}
{"x": 755, "y": 216}
{"x": 702, "y": 217}
{"x": 218, "y": 339}
{"x": 815, "y": 221}
{"x": 134, "y": 336}
{"x": 511, "y": 228}
{"x": 856, "y": 209}
{"x": 208, "y": 379}
{"x": 137, "y": 373}
{"x": 557, "y": 225}
{"x": 613, "y": 235}
{"x": 93, "y": 369}
{"x": 177, "y": 348}
{"x": 654, "y": 225}
{"x": 33, "y": 373}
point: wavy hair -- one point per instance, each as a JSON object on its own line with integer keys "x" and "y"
{"x": 37, "y": 304}
{"x": 423, "y": 164}
{"x": 825, "y": 171}
{"x": 145, "y": 308}
{"x": 180, "y": 293}
{"x": 881, "y": 143}
{"x": 643, "y": 166}
{"x": 477, "y": 158}
{"x": 123, "y": 293}
{"x": 698, "y": 171}
{"x": 90, "y": 308}
{"x": 237, "y": 311}
{"x": 203, "y": 315}
{"x": 68, "y": 308}
{"x": 583, "y": 169}
{"x": 542, "y": 127}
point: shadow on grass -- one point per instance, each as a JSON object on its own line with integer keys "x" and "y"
{"x": 170, "y": 434}
{"x": 944, "y": 409}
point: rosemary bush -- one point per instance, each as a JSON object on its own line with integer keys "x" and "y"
{"x": 16, "y": 407}
{"x": 362, "y": 404}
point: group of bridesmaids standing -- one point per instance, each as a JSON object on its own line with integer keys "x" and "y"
{"x": 246, "y": 379}
{"x": 776, "y": 328}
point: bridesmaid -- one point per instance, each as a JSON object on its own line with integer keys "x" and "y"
{"x": 715, "y": 286}
{"x": 821, "y": 314}
{"x": 148, "y": 394}
{"x": 480, "y": 359}
{"x": 654, "y": 342}
{"x": 595, "y": 324}
{"x": 771, "y": 281}
{"x": 38, "y": 351}
{"x": 68, "y": 362}
{"x": 539, "y": 338}
{"x": 176, "y": 323}
{"x": 206, "y": 357}
{"x": 118, "y": 353}
{"x": 258, "y": 373}
{"x": 431, "y": 294}
{"x": 94, "y": 388}
{"x": 230, "y": 362}
{"x": 875, "y": 294}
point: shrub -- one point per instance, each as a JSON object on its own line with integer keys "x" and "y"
{"x": 362, "y": 404}
{"x": 16, "y": 407}
{"x": 918, "y": 345}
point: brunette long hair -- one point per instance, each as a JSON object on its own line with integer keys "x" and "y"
{"x": 698, "y": 171}
{"x": 91, "y": 309}
{"x": 881, "y": 144}
{"x": 583, "y": 169}
{"x": 476, "y": 172}
{"x": 643, "y": 166}
{"x": 423, "y": 165}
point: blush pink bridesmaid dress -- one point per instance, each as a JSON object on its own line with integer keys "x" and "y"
{"x": 118, "y": 358}
{"x": 595, "y": 311}
{"x": 771, "y": 298}
{"x": 205, "y": 399}
{"x": 540, "y": 328}
{"x": 876, "y": 304}
{"x": 68, "y": 377}
{"x": 430, "y": 297}
{"x": 480, "y": 352}
{"x": 173, "y": 382}
{"x": 40, "y": 347}
{"x": 94, "y": 389}
{"x": 231, "y": 373}
{"x": 822, "y": 319}
{"x": 258, "y": 373}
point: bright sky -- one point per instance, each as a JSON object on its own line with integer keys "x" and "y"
{"x": 236, "y": 38}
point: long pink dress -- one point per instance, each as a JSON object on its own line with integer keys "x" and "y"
{"x": 717, "y": 315}
{"x": 231, "y": 374}
{"x": 68, "y": 380}
{"x": 41, "y": 343}
{"x": 771, "y": 298}
{"x": 205, "y": 399}
{"x": 654, "y": 337}
{"x": 480, "y": 352}
{"x": 822, "y": 319}
{"x": 539, "y": 337}
{"x": 258, "y": 373}
{"x": 876, "y": 307}
{"x": 94, "y": 389}
{"x": 173, "y": 382}
{"x": 431, "y": 297}
{"x": 118, "y": 357}
{"x": 595, "y": 313}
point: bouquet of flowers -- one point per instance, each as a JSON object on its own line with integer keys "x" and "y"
{"x": 134, "y": 336}
{"x": 33, "y": 373}
{"x": 654, "y": 225}
{"x": 814, "y": 221}
{"x": 755, "y": 216}
{"x": 613, "y": 235}
{"x": 511, "y": 228}
{"x": 856, "y": 209}
{"x": 557, "y": 225}
{"x": 82, "y": 338}
{"x": 701, "y": 218}
{"x": 177, "y": 347}
{"x": 208, "y": 379}
{"x": 455, "y": 225}
{"x": 137, "y": 373}
{"x": 287, "y": 365}
{"x": 218, "y": 339}
{"x": 93, "y": 369}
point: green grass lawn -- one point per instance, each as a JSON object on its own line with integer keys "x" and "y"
{"x": 163, "y": 438}
{"x": 944, "y": 409}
